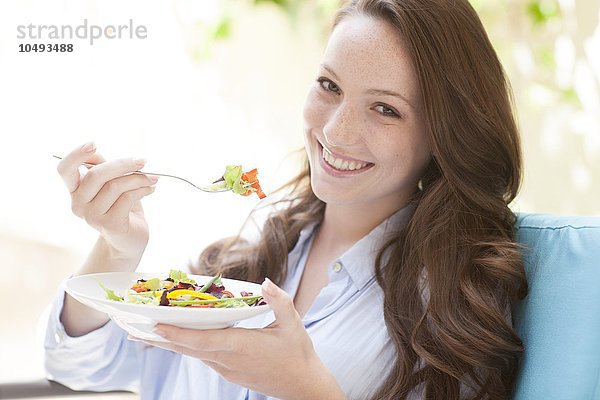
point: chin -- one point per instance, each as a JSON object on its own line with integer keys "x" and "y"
{"x": 334, "y": 196}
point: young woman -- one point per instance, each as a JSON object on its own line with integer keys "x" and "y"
{"x": 395, "y": 249}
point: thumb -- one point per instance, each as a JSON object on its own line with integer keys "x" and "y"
{"x": 281, "y": 303}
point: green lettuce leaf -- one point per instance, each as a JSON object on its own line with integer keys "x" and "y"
{"x": 233, "y": 178}
{"x": 180, "y": 276}
{"x": 110, "y": 294}
{"x": 152, "y": 284}
{"x": 141, "y": 298}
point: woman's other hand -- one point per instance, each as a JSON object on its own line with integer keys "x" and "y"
{"x": 278, "y": 360}
{"x": 108, "y": 198}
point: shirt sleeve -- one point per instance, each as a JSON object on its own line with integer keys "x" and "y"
{"x": 101, "y": 360}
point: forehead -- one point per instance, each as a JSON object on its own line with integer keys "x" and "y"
{"x": 370, "y": 51}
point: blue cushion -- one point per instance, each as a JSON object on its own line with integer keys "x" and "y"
{"x": 559, "y": 320}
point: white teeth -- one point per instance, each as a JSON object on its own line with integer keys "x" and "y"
{"x": 340, "y": 164}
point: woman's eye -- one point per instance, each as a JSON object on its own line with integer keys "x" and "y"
{"x": 328, "y": 85}
{"x": 387, "y": 111}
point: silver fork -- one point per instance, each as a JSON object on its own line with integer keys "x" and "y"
{"x": 216, "y": 186}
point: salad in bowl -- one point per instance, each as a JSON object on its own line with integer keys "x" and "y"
{"x": 178, "y": 290}
{"x": 138, "y": 301}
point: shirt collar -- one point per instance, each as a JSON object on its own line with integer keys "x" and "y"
{"x": 359, "y": 260}
{"x": 305, "y": 234}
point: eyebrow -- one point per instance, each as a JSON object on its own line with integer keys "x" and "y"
{"x": 375, "y": 92}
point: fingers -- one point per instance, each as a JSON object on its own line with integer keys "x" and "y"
{"x": 68, "y": 167}
{"x": 99, "y": 175}
{"x": 281, "y": 304}
{"x": 119, "y": 212}
{"x": 219, "y": 368}
{"x": 115, "y": 189}
{"x": 214, "y": 360}
{"x": 169, "y": 346}
{"x": 213, "y": 340}
{"x": 211, "y": 358}
{"x": 109, "y": 194}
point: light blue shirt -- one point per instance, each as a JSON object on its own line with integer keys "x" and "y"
{"x": 345, "y": 323}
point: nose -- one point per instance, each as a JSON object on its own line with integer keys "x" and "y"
{"x": 343, "y": 127}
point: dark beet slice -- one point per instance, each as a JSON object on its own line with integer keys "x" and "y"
{"x": 164, "y": 301}
{"x": 215, "y": 289}
{"x": 183, "y": 285}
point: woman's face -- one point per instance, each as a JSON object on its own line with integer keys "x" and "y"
{"x": 364, "y": 134}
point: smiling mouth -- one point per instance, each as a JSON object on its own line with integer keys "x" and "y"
{"x": 341, "y": 164}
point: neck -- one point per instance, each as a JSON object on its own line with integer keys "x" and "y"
{"x": 342, "y": 226}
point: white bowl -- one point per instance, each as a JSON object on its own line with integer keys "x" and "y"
{"x": 139, "y": 319}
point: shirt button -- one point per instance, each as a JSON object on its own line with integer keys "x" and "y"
{"x": 57, "y": 337}
{"x": 337, "y": 267}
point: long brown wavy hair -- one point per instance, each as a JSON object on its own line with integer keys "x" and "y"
{"x": 453, "y": 272}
